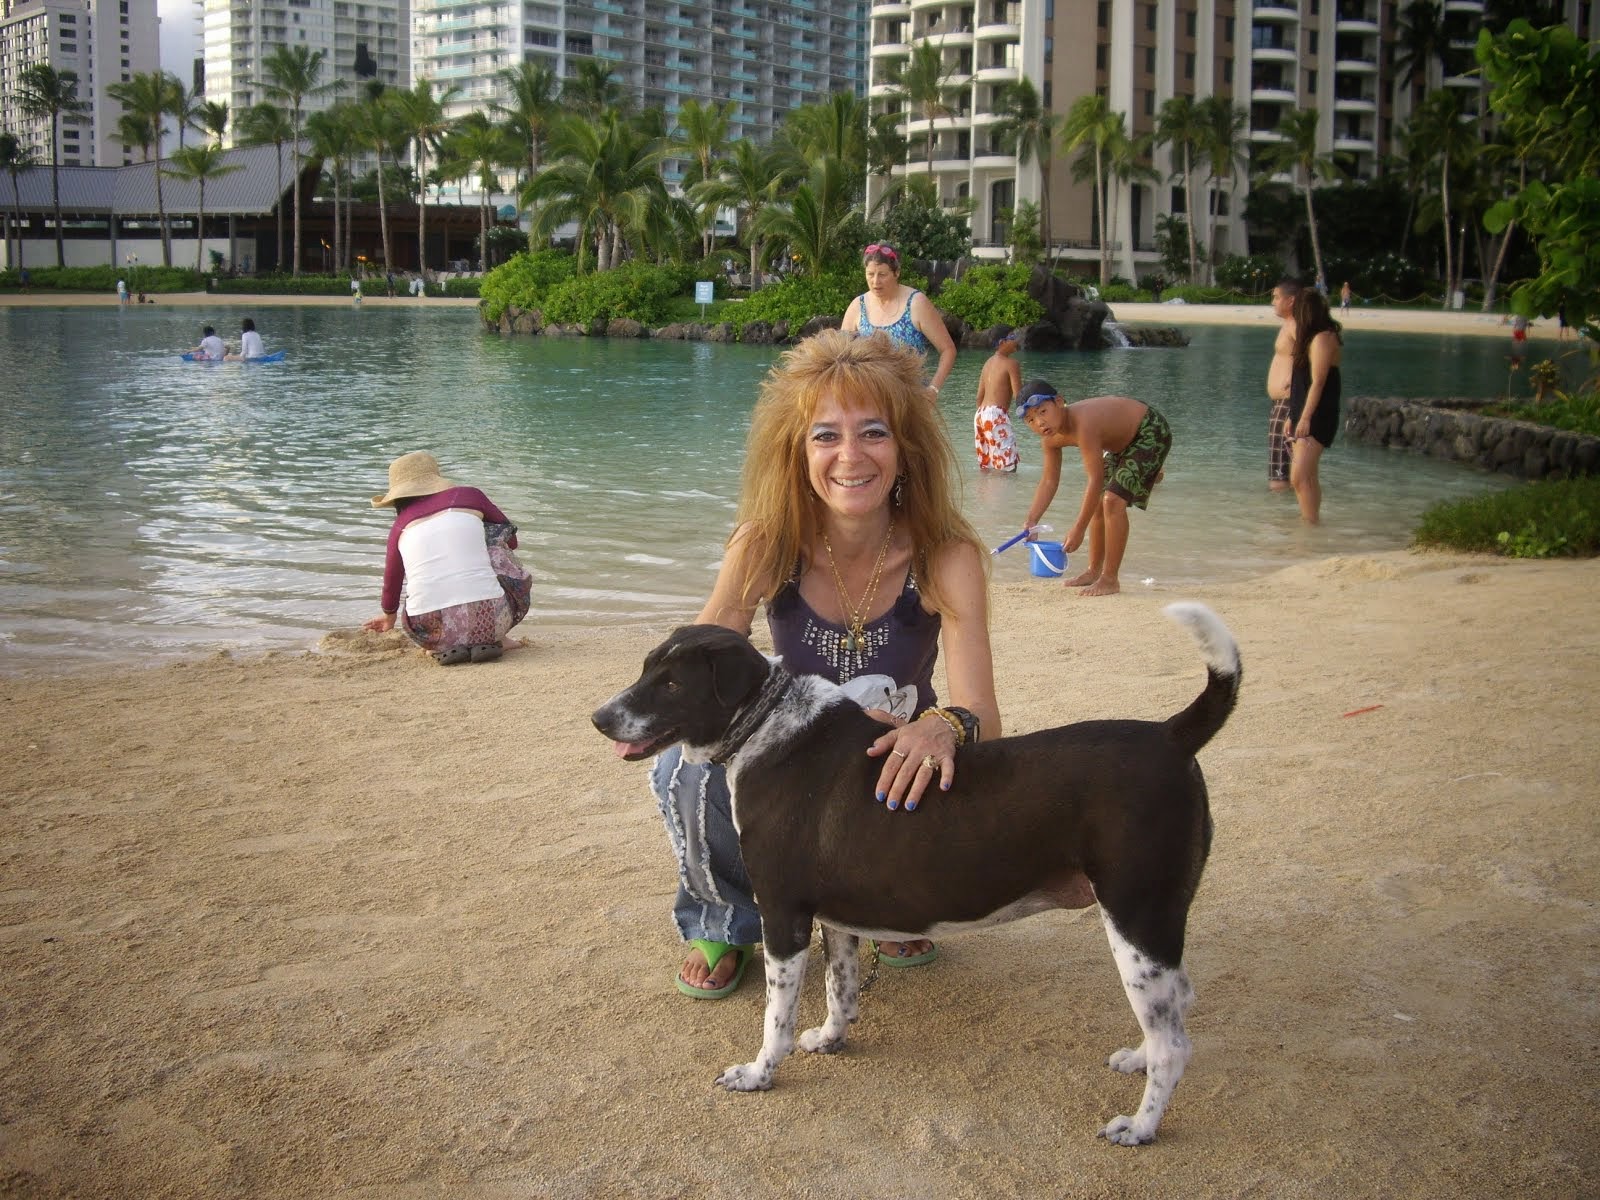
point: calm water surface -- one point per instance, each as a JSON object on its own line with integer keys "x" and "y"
{"x": 150, "y": 507}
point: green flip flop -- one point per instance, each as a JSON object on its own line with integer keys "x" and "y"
{"x": 908, "y": 960}
{"x": 714, "y": 953}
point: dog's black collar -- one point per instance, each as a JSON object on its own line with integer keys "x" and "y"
{"x": 749, "y": 718}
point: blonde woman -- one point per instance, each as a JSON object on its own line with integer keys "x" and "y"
{"x": 851, "y": 536}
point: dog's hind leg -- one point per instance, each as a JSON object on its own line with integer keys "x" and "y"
{"x": 1160, "y": 995}
{"x": 844, "y": 992}
{"x": 784, "y": 979}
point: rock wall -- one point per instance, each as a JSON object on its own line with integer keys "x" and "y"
{"x": 1455, "y": 431}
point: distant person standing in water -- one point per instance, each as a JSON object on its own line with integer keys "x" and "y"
{"x": 1344, "y": 300}
{"x": 902, "y": 313}
{"x": 1314, "y": 393}
{"x": 991, "y": 422}
{"x": 1279, "y": 375}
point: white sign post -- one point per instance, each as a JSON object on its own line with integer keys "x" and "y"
{"x": 704, "y": 293}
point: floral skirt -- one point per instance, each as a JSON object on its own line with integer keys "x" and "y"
{"x": 991, "y": 435}
{"x": 478, "y": 622}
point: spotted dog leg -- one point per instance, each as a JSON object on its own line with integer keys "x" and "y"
{"x": 1160, "y": 996}
{"x": 844, "y": 993}
{"x": 784, "y": 979}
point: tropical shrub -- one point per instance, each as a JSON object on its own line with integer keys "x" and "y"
{"x": 523, "y": 280}
{"x": 1546, "y": 519}
{"x": 801, "y": 297}
{"x": 104, "y": 279}
{"x": 1254, "y": 274}
{"x": 928, "y": 234}
{"x": 290, "y": 285}
{"x": 992, "y": 295}
{"x": 464, "y": 285}
{"x": 638, "y": 291}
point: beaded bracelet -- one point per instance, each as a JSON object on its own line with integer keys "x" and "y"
{"x": 962, "y": 722}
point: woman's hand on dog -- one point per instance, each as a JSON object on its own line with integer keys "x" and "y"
{"x": 905, "y": 775}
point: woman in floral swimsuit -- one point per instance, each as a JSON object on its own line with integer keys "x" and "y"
{"x": 901, "y": 313}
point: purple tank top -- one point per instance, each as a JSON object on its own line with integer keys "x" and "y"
{"x": 895, "y": 670}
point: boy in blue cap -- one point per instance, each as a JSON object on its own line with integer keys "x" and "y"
{"x": 1124, "y": 443}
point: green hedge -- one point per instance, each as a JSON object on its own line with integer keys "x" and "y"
{"x": 291, "y": 285}
{"x": 992, "y": 295}
{"x": 523, "y": 281}
{"x": 467, "y": 285}
{"x": 104, "y": 279}
{"x": 801, "y": 297}
{"x": 1548, "y": 519}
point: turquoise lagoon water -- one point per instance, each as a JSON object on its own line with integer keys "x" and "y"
{"x": 151, "y": 508}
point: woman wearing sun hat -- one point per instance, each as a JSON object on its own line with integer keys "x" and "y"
{"x": 900, "y": 312}
{"x": 451, "y": 548}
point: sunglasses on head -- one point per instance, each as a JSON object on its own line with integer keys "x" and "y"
{"x": 885, "y": 251}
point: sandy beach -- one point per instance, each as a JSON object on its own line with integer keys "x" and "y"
{"x": 352, "y": 923}
{"x": 1390, "y": 320}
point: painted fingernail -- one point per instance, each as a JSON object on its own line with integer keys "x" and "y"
{"x": 911, "y": 806}
{"x": 893, "y": 804}
{"x": 944, "y": 785}
{"x": 881, "y": 796}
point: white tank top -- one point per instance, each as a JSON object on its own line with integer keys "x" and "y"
{"x": 447, "y": 562}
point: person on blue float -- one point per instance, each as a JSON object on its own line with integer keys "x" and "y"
{"x": 210, "y": 348}
{"x": 249, "y": 342}
{"x": 903, "y": 313}
{"x": 450, "y": 548}
{"x": 850, "y": 532}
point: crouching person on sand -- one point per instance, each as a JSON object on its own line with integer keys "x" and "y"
{"x": 1124, "y": 443}
{"x": 451, "y": 549}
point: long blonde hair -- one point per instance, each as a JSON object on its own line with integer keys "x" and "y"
{"x": 779, "y": 511}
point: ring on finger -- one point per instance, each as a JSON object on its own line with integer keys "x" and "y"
{"x": 931, "y": 763}
{"x": 901, "y": 753}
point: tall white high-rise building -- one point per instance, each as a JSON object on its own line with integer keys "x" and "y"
{"x": 766, "y": 56}
{"x": 363, "y": 42}
{"x": 102, "y": 42}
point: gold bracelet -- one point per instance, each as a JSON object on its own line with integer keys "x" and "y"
{"x": 950, "y": 719}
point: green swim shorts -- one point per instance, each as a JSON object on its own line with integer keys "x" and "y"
{"x": 1131, "y": 472}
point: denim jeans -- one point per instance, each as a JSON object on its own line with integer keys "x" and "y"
{"x": 714, "y": 896}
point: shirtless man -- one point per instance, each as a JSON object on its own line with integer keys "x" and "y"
{"x": 1278, "y": 377}
{"x": 1124, "y": 443}
{"x": 991, "y": 423}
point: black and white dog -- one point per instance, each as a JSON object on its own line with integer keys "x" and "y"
{"x": 1113, "y": 812}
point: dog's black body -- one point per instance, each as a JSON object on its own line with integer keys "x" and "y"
{"x": 1031, "y": 823}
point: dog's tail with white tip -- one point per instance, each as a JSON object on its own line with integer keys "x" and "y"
{"x": 1198, "y": 724}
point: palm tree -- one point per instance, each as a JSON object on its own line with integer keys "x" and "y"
{"x": 182, "y": 106}
{"x": 212, "y": 117}
{"x": 533, "y": 88}
{"x": 1226, "y": 148}
{"x": 378, "y": 128}
{"x": 1446, "y": 140}
{"x": 817, "y": 220}
{"x": 198, "y": 164}
{"x": 145, "y": 100}
{"x": 747, "y": 181}
{"x": 16, "y": 158}
{"x": 46, "y": 94}
{"x": 924, "y": 84}
{"x": 477, "y": 146}
{"x": 702, "y": 134}
{"x": 1422, "y": 38}
{"x": 1127, "y": 163}
{"x": 1181, "y": 124}
{"x": 1090, "y": 127}
{"x": 839, "y": 127}
{"x": 1295, "y": 154}
{"x": 420, "y": 114}
{"x": 266, "y": 124}
{"x": 294, "y": 75}
{"x": 1029, "y": 132}
{"x": 605, "y": 177}
{"x": 590, "y": 90}
{"x": 333, "y": 140}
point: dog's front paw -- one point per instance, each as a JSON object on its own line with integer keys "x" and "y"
{"x": 1121, "y": 1132}
{"x": 1129, "y": 1062}
{"x": 746, "y": 1077}
{"x": 820, "y": 1041}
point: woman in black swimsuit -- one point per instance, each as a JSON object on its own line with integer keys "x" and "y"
{"x": 1314, "y": 391}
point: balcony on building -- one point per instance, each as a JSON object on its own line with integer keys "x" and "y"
{"x": 1272, "y": 83}
{"x": 1354, "y": 16}
{"x": 891, "y": 50}
{"x": 1270, "y": 43}
{"x": 1276, "y": 10}
{"x": 1466, "y": 7}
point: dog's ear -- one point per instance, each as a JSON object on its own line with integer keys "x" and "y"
{"x": 737, "y": 671}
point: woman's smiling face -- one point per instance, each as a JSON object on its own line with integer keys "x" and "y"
{"x": 852, "y": 458}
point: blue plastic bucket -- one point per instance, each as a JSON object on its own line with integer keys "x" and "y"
{"x": 1047, "y": 560}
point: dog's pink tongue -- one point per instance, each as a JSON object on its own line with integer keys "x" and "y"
{"x": 626, "y": 748}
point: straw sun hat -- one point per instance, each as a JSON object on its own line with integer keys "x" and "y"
{"x": 414, "y": 474}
